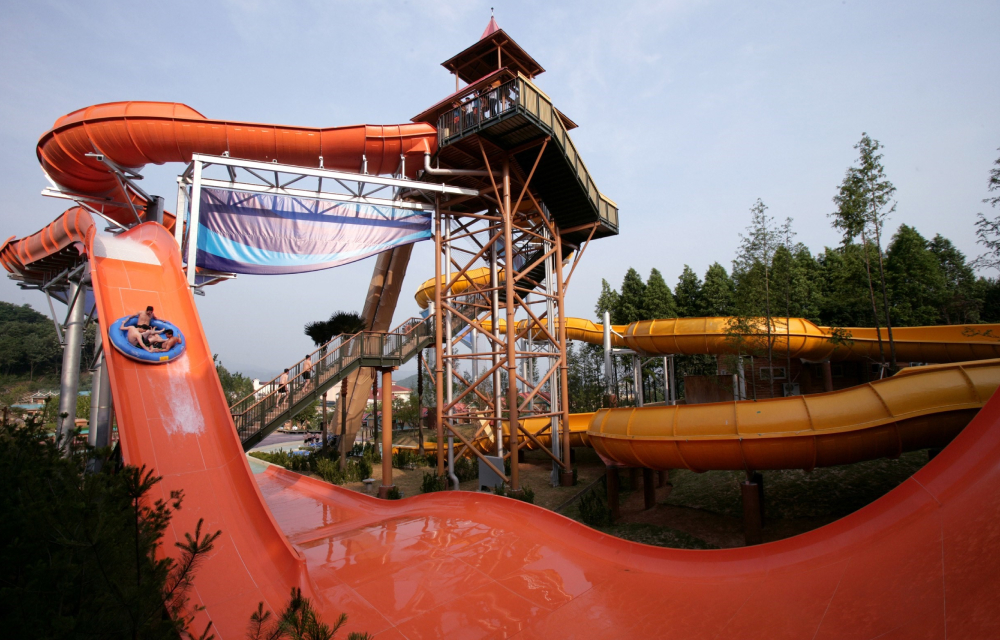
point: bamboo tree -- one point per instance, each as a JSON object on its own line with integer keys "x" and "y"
{"x": 864, "y": 203}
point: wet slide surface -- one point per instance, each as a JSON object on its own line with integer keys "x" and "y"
{"x": 920, "y": 562}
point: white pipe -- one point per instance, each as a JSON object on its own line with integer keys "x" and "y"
{"x": 431, "y": 171}
{"x": 607, "y": 352}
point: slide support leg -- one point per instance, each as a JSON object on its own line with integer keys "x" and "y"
{"x": 648, "y": 489}
{"x": 611, "y": 474}
{"x": 751, "y": 513}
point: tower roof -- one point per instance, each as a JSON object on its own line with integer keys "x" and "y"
{"x": 494, "y": 50}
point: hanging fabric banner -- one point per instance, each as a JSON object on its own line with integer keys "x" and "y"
{"x": 266, "y": 234}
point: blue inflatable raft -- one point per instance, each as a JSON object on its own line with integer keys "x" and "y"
{"x": 119, "y": 338}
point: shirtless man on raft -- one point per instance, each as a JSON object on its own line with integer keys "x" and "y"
{"x": 138, "y": 338}
{"x": 144, "y": 319}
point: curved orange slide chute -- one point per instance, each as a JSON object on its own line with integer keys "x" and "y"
{"x": 134, "y": 134}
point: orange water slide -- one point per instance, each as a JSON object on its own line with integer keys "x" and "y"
{"x": 134, "y": 134}
{"x": 923, "y": 561}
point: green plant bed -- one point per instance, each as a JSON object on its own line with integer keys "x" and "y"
{"x": 655, "y": 535}
{"x": 526, "y": 494}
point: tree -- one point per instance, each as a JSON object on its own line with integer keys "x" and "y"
{"x": 606, "y": 302}
{"x": 915, "y": 279}
{"x": 235, "y": 385}
{"x": 864, "y": 204}
{"x": 688, "y": 294}
{"x": 988, "y": 231}
{"x": 717, "y": 293}
{"x": 632, "y": 300}
{"x": 752, "y": 273}
{"x": 960, "y": 303}
{"x": 659, "y": 301}
{"x": 322, "y": 332}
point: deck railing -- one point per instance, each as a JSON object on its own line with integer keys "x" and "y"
{"x": 480, "y": 107}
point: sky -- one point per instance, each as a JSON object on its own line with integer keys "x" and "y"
{"x": 689, "y": 111}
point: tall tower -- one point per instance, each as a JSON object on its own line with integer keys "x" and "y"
{"x": 505, "y": 258}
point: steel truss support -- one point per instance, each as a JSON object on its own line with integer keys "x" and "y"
{"x": 515, "y": 387}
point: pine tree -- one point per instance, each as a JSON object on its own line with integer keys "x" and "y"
{"x": 717, "y": 293}
{"x": 915, "y": 279}
{"x": 988, "y": 231}
{"x": 688, "y": 294}
{"x": 632, "y": 300}
{"x": 960, "y": 303}
{"x": 659, "y": 302}
{"x": 608, "y": 301}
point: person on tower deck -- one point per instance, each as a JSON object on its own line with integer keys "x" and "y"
{"x": 307, "y": 366}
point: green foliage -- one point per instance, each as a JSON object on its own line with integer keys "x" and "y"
{"x": 433, "y": 482}
{"x": 717, "y": 293}
{"x": 658, "y": 301}
{"x": 28, "y": 342}
{"x": 607, "y": 301}
{"x": 526, "y": 494}
{"x": 688, "y": 294}
{"x": 235, "y": 385}
{"x": 594, "y": 509}
{"x": 339, "y": 323}
{"x": 403, "y": 457}
{"x": 298, "y": 621}
{"x": 632, "y": 300}
{"x": 82, "y": 552}
{"x": 916, "y": 282}
{"x": 394, "y": 493}
{"x": 988, "y": 230}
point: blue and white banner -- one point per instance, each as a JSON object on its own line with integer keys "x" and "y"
{"x": 265, "y": 234}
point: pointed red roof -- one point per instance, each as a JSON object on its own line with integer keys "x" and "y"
{"x": 491, "y": 28}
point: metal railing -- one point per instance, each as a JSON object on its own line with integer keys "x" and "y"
{"x": 256, "y": 415}
{"x": 479, "y": 107}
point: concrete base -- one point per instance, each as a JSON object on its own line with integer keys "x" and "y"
{"x": 566, "y": 479}
{"x": 383, "y": 491}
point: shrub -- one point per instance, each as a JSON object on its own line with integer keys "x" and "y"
{"x": 364, "y": 466}
{"x": 594, "y": 510}
{"x": 299, "y": 621}
{"x": 466, "y": 469}
{"x": 82, "y": 554}
{"x": 403, "y": 457}
{"x": 394, "y": 493}
{"x": 526, "y": 494}
{"x": 433, "y": 482}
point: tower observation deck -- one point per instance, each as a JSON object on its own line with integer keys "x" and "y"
{"x": 507, "y": 254}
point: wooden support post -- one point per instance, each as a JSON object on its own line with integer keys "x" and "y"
{"x": 611, "y": 473}
{"x": 827, "y": 376}
{"x": 758, "y": 479}
{"x": 633, "y": 478}
{"x": 751, "y": 513}
{"x": 662, "y": 478}
{"x": 383, "y": 491}
{"x": 648, "y": 489}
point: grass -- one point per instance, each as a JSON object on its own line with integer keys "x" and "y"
{"x": 832, "y": 492}
{"x": 655, "y": 535}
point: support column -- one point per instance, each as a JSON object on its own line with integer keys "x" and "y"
{"x": 69, "y": 385}
{"x": 438, "y": 337}
{"x": 566, "y": 476}
{"x": 511, "y": 324}
{"x": 95, "y": 389}
{"x": 495, "y": 357}
{"x": 611, "y": 474}
{"x": 662, "y": 478}
{"x": 633, "y": 478}
{"x": 751, "y": 513}
{"x": 648, "y": 488}
{"x": 827, "y": 376}
{"x": 637, "y": 380}
{"x": 387, "y": 485}
{"x": 192, "y": 248}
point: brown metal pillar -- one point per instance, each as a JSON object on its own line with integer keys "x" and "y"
{"x": 511, "y": 323}
{"x": 383, "y": 491}
{"x": 324, "y": 417}
{"x": 633, "y": 478}
{"x": 648, "y": 488}
{"x": 611, "y": 474}
{"x": 827, "y": 376}
{"x": 751, "y": 513}
{"x": 438, "y": 337}
{"x": 566, "y": 475}
{"x": 663, "y": 478}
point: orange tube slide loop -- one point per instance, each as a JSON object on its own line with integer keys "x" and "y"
{"x": 918, "y": 408}
{"x": 69, "y": 232}
{"x": 134, "y": 134}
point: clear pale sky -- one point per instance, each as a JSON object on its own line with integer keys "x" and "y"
{"x": 688, "y": 112}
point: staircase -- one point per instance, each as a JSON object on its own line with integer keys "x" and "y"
{"x": 261, "y": 413}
